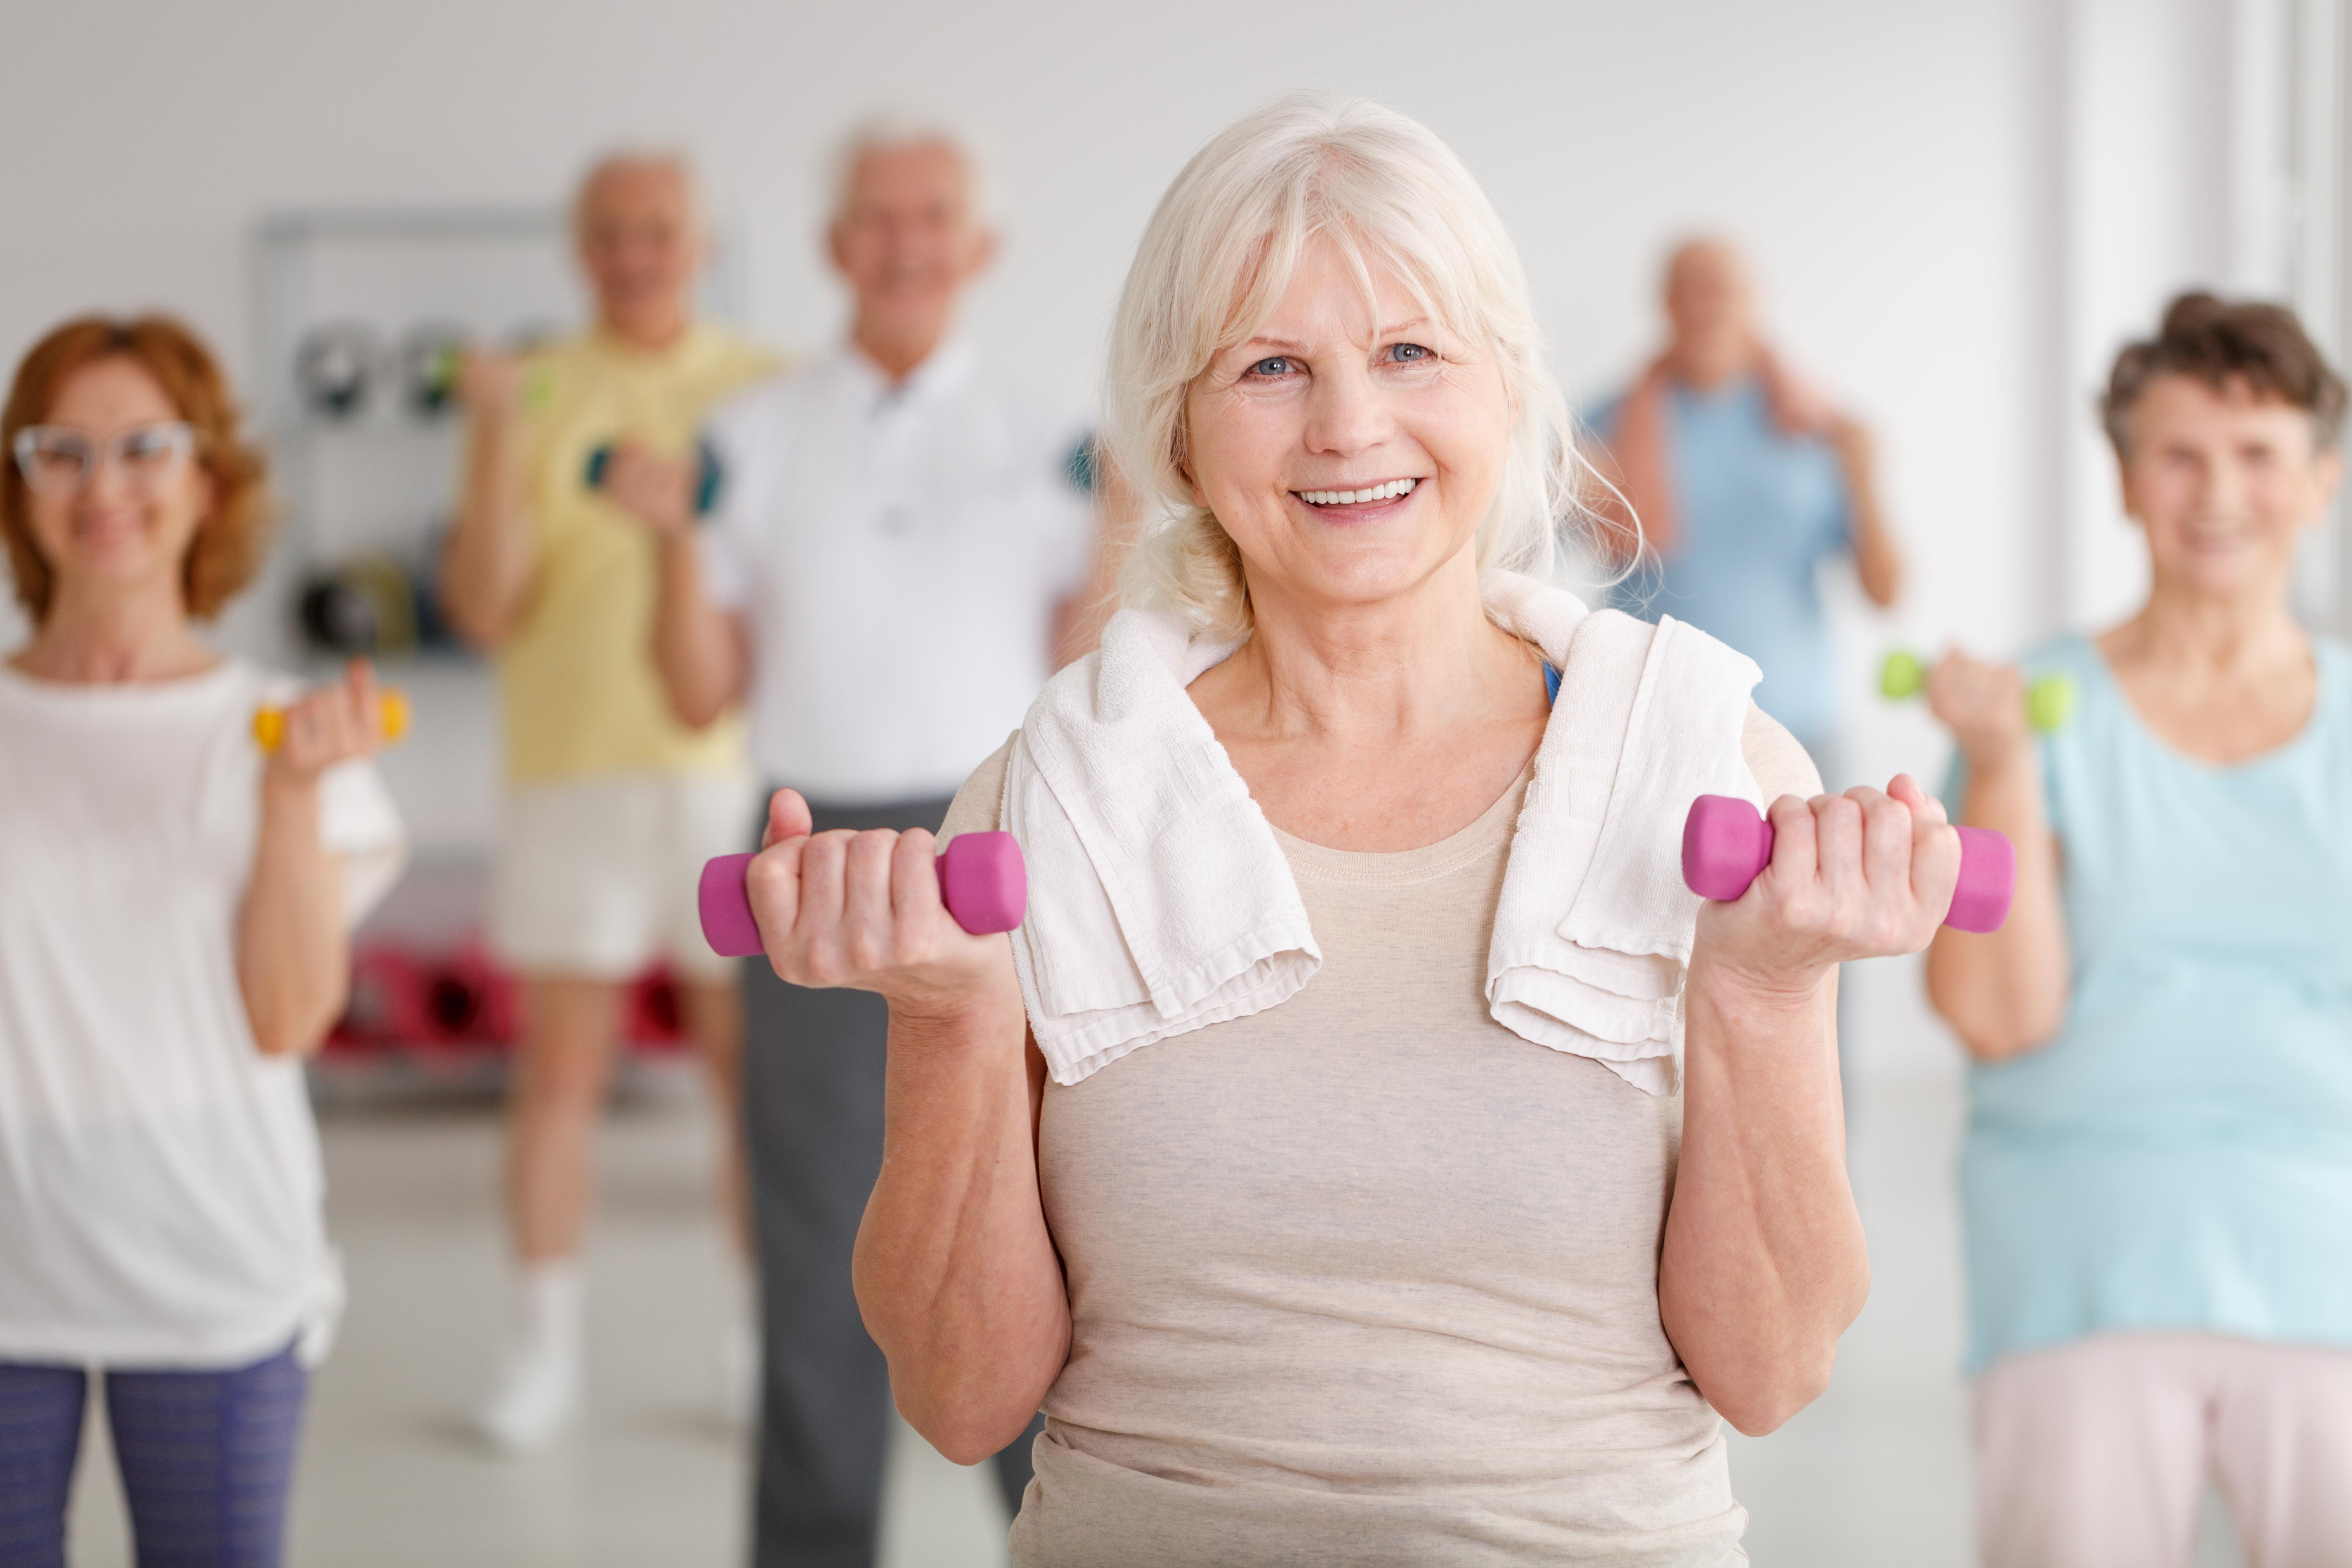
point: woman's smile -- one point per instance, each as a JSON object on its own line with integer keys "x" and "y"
{"x": 1359, "y": 502}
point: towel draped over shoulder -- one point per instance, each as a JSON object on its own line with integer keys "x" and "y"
{"x": 1161, "y": 901}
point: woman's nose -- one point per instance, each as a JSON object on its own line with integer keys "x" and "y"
{"x": 1344, "y": 414}
{"x": 103, "y": 482}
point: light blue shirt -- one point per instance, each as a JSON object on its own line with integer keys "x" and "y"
{"x": 2180, "y": 1156}
{"x": 1756, "y": 510}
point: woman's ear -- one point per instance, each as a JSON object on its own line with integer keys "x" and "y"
{"x": 208, "y": 499}
{"x": 2328, "y": 468}
{"x": 1181, "y": 461}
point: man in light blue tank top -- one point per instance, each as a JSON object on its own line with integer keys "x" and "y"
{"x": 2157, "y": 1176}
{"x": 1744, "y": 483}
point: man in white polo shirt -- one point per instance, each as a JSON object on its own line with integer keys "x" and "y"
{"x": 903, "y": 532}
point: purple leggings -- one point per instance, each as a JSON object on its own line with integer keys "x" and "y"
{"x": 206, "y": 1460}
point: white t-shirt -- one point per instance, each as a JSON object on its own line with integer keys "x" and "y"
{"x": 160, "y": 1180}
{"x": 898, "y": 552}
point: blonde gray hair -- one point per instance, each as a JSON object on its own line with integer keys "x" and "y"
{"x": 1215, "y": 261}
{"x": 889, "y": 132}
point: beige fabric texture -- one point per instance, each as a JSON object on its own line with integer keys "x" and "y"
{"x": 1366, "y": 1277}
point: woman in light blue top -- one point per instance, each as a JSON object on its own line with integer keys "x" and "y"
{"x": 2157, "y": 1177}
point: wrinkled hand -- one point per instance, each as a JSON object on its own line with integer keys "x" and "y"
{"x": 489, "y": 383}
{"x": 1983, "y": 705}
{"x": 326, "y": 725}
{"x": 1858, "y": 875}
{"x": 657, "y": 491}
{"x": 863, "y": 910}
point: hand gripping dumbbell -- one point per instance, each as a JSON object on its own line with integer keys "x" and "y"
{"x": 1727, "y": 844}
{"x": 707, "y": 474}
{"x": 2049, "y": 699}
{"x": 982, "y": 881}
{"x": 390, "y": 720}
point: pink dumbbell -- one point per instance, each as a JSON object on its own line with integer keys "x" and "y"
{"x": 983, "y": 881}
{"x": 1728, "y": 842}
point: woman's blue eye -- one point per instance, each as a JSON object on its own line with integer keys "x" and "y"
{"x": 1409, "y": 354}
{"x": 1278, "y": 365}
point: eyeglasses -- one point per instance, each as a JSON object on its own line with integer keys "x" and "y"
{"x": 58, "y": 460}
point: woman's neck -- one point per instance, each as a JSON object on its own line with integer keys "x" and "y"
{"x": 1409, "y": 667}
{"x": 115, "y": 639}
{"x": 2209, "y": 634}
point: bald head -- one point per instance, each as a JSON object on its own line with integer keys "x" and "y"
{"x": 1710, "y": 303}
{"x": 638, "y": 225}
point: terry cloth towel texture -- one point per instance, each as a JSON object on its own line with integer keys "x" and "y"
{"x": 1160, "y": 901}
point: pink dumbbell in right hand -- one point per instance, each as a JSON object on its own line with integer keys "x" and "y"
{"x": 1726, "y": 843}
{"x": 982, "y": 881}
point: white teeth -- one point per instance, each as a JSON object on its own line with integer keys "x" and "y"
{"x": 1388, "y": 491}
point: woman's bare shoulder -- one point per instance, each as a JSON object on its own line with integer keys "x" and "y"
{"x": 977, "y": 805}
{"x": 1780, "y": 766}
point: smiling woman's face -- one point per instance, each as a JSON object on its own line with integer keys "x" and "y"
{"x": 1348, "y": 464}
{"x": 2225, "y": 483}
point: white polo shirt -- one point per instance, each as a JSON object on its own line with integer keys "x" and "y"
{"x": 896, "y": 553}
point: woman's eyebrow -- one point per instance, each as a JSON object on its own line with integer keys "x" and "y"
{"x": 1287, "y": 345}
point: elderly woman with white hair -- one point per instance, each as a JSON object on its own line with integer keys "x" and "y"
{"x": 1366, "y": 1150}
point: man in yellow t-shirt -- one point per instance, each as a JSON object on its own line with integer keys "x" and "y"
{"x": 612, "y": 804}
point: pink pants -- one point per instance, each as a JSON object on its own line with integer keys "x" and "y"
{"x": 2093, "y": 1453}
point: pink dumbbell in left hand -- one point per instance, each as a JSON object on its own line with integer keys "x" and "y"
{"x": 982, "y": 881}
{"x": 1727, "y": 844}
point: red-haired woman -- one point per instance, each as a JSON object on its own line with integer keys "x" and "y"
{"x": 175, "y": 911}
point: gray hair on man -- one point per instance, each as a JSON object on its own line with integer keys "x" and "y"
{"x": 1213, "y": 264}
{"x": 617, "y": 161}
{"x": 891, "y": 132}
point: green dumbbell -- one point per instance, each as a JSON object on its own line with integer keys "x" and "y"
{"x": 2049, "y": 699}
{"x": 707, "y": 474}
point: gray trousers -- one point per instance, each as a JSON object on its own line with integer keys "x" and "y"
{"x": 813, "y": 1105}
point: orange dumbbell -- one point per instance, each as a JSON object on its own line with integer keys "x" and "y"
{"x": 390, "y": 720}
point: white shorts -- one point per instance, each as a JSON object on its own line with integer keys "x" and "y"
{"x": 597, "y": 877}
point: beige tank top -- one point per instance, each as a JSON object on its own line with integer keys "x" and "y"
{"x": 1366, "y": 1277}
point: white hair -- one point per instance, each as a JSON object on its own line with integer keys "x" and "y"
{"x": 614, "y": 159}
{"x": 886, "y": 131}
{"x": 1214, "y": 264}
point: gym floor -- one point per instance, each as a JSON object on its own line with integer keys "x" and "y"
{"x": 1874, "y": 1473}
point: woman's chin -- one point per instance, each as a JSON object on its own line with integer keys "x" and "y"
{"x": 2227, "y": 572}
{"x": 111, "y": 571}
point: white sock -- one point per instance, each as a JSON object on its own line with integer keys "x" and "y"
{"x": 551, "y": 1302}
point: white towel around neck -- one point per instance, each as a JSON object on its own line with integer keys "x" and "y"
{"x": 1160, "y": 901}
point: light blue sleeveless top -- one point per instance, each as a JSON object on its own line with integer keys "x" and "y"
{"x": 2180, "y": 1157}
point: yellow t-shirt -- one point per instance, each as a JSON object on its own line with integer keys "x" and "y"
{"x": 576, "y": 679}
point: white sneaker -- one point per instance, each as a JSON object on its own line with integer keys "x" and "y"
{"x": 738, "y": 1385}
{"x": 535, "y": 1395}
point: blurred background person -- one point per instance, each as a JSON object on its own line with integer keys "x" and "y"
{"x": 904, "y": 537}
{"x": 612, "y": 802}
{"x": 1743, "y": 481}
{"x": 175, "y": 909}
{"x": 2157, "y": 1176}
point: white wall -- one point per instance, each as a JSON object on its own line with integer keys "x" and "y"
{"x": 1889, "y": 164}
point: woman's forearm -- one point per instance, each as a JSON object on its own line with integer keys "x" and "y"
{"x": 700, "y": 649}
{"x": 1877, "y": 560}
{"x": 1764, "y": 1262}
{"x": 485, "y": 566}
{"x": 1642, "y": 510}
{"x": 956, "y": 1273}
{"x": 293, "y": 958}
{"x": 2005, "y": 992}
